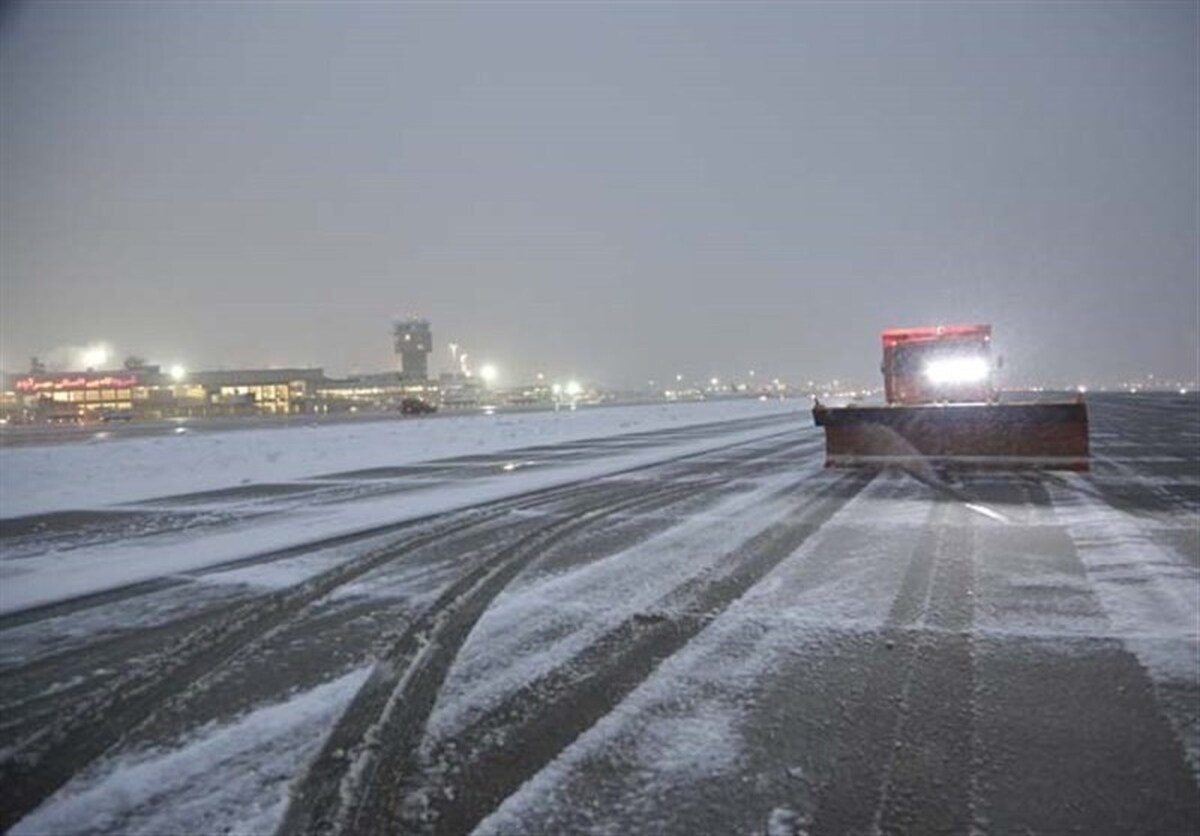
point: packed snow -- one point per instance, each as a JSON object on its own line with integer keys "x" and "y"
{"x": 231, "y": 779}
{"x": 39, "y": 480}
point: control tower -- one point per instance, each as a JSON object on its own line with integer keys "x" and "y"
{"x": 414, "y": 341}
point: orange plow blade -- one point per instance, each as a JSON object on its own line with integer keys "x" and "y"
{"x": 1046, "y": 436}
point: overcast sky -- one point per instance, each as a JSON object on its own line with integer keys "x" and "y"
{"x": 619, "y": 191}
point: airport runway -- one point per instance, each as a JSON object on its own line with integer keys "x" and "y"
{"x": 736, "y": 641}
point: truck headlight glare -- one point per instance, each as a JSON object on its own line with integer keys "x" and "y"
{"x": 951, "y": 371}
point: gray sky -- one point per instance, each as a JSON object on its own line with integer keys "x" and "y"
{"x": 619, "y": 191}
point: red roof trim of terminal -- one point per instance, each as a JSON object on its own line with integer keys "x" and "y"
{"x": 926, "y": 333}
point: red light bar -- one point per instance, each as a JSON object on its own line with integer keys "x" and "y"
{"x": 930, "y": 333}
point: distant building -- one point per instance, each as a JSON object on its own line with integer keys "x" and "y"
{"x": 67, "y": 396}
{"x": 385, "y": 390}
{"x": 145, "y": 391}
{"x": 270, "y": 391}
{"x": 148, "y": 392}
{"x": 414, "y": 341}
{"x": 459, "y": 391}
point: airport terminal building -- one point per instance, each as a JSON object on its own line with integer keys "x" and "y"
{"x": 148, "y": 392}
{"x": 143, "y": 391}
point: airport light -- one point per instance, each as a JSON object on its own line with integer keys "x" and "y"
{"x": 95, "y": 356}
{"x": 177, "y": 372}
{"x": 573, "y": 388}
{"x": 488, "y": 373}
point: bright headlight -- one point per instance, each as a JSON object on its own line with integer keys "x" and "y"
{"x": 951, "y": 371}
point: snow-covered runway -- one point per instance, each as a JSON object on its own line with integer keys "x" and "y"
{"x": 684, "y": 626}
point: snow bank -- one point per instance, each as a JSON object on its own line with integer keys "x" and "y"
{"x": 112, "y": 470}
{"x": 62, "y": 574}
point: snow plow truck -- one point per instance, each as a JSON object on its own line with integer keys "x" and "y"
{"x": 943, "y": 410}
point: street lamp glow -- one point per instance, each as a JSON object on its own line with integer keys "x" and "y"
{"x": 488, "y": 373}
{"x": 177, "y": 372}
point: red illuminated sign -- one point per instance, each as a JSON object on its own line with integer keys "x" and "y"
{"x": 58, "y": 384}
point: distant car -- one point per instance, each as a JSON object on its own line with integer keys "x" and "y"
{"x": 416, "y": 406}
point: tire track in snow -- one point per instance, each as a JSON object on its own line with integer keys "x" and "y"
{"x": 49, "y": 756}
{"x": 1151, "y": 599}
{"x": 516, "y": 739}
{"x": 1067, "y": 735}
{"x": 269, "y": 667}
{"x": 908, "y": 765}
{"x": 346, "y": 789}
{"x": 707, "y": 742}
{"x": 394, "y": 704}
{"x": 1063, "y": 731}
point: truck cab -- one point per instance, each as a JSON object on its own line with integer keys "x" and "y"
{"x": 938, "y": 364}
